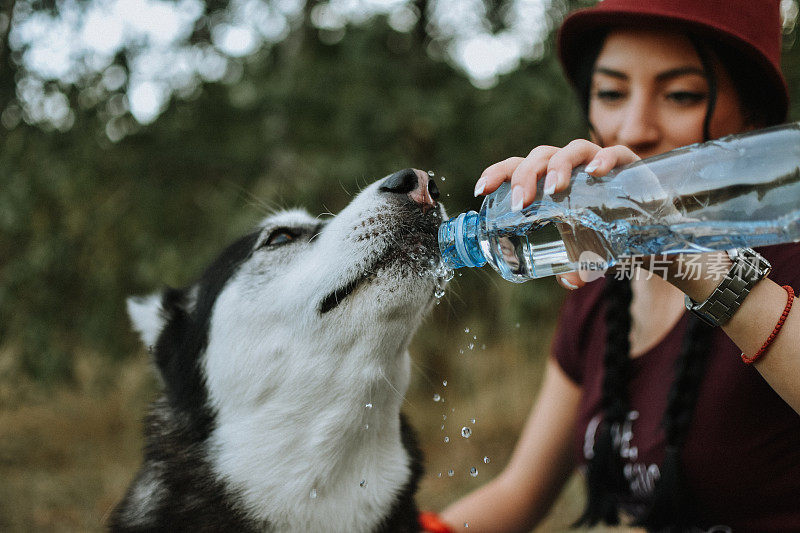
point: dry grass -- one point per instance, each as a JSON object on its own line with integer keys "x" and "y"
{"x": 68, "y": 453}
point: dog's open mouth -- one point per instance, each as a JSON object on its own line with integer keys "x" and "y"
{"x": 333, "y": 299}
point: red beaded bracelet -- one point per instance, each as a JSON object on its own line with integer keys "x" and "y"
{"x": 431, "y": 523}
{"x": 778, "y": 326}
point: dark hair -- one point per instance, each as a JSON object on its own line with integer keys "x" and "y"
{"x": 671, "y": 506}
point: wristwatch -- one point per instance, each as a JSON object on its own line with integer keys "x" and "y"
{"x": 748, "y": 268}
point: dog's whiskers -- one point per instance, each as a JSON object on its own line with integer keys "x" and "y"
{"x": 397, "y": 392}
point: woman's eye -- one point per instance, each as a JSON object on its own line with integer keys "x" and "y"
{"x": 686, "y": 97}
{"x": 279, "y": 237}
{"x": 608, "y": 95}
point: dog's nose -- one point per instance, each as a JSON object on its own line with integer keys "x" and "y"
{"x": 417, "y": 184}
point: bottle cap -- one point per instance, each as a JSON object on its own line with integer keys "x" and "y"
{"x": 458, "y": 241}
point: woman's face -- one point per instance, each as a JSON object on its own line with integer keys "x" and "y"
{"x": 649, "y": 93}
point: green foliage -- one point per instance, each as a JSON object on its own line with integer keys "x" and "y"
{"x": 85, "y": 222}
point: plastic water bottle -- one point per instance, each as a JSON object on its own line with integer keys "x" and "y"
{"x": 738, "y": 191}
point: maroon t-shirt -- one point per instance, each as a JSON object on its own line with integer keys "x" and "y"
{"x": 742, "y": 453}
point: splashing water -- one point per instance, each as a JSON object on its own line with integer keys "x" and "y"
{"x": 473, "y": 472}
{"x": 444, "y": 383}
{"x": 450, "y": 473}
{"x": 466, "y": 330}
{"x": 446, "y": 440}
{"x": 466, "y": 432}
{"x": 486, "y": 459}
{"x": 437, "y": 398}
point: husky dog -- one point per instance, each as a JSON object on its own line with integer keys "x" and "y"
{"x": 284, "y": 369}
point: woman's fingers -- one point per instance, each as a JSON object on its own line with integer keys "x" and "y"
{"x": 553, "y": 164}
{"x": 560, "y": 166}
{"x": 526, "y": 175}
{"x": 607, "y": 158}
{"x": 496, "y": 174}
{"x": 571, "y": 280}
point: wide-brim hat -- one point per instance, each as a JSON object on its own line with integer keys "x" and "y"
{"x": 751, "y": 27}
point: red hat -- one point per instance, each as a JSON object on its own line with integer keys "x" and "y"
{"x": 751, "y": 27}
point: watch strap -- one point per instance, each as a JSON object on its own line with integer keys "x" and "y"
{"x": 748, "y": 268}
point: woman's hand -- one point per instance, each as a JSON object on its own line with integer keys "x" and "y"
{"x": 555, "y": 165}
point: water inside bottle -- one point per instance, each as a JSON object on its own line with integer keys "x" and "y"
{"x": 531, "y": 251}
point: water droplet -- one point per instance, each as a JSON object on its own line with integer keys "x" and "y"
{"x": 366, "y": 426}
{"x": 363, "y": 483}
{"x": 466, "y": 524}
{"x": 447, "y": 439}
{"x": 437, "y": 398}
{"x": 431, "y": 173}
{"x": 444, "y": 383}
{"x": 466, "y": 330}
{"x": 443, "y": 178}
{"x": 313, "y": 493}
{"x": 473, "y": 472}
{"x": 472, "y": 420}
{"x": 466, "y": 432}
{"x": 450, "y": 472}
{"x": 461, "y": 351}
{"x": 516, "y": 325}
{"x": 486, "y": 459}
{"x": 368, "y": 406}
{"x": 438, "y": 293}
{"x": 442, "y": 427}
{"x": 471, "y": 346}
{"x": 444, "y": 417}
{"x": 447, "y": 195}
{"x": 439, "y": 474}
{"x": 474, "y": 337}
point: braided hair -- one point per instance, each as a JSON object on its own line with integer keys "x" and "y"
{"x": 671, "y": 506}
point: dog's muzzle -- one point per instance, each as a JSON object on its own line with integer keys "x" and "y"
{"x": 418, "y": 185}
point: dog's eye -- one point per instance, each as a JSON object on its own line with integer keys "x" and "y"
{"x": 278, "y": 237}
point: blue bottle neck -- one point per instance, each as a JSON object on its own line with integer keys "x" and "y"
{"x": 459, "y": 241}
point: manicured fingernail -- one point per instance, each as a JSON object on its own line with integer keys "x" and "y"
{"x": 592, "y": 166}
{"x": 479, "y": 186}
{"x": 550, "y": 182}
{"x": 567, "y": 284}
{"x": 516, "y": 198}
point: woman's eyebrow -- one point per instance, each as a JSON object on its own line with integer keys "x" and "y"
{"x": 611, "y": 72}
{"x": 661, "y": 76}
{"x": 680, "y": 71}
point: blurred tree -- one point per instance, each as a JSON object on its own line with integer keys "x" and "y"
{"x": 109, "y": 206}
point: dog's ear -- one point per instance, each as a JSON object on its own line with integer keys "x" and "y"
{"x": 148, "y": 316}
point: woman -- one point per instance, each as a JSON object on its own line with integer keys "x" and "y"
{"x": 674, "y": 429}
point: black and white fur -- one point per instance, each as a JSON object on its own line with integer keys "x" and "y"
{"x": 284, "y": 369}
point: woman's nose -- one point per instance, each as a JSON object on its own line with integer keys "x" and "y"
{"x": 639, "y": 129}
